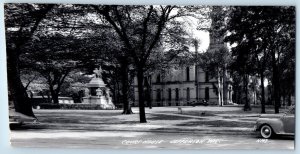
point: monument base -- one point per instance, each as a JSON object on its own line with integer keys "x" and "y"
{"x": 102, "y": 101}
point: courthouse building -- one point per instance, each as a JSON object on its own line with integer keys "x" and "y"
{"x": 187, "y": 85}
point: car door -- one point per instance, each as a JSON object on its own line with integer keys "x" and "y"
{"x": 288, "y": 121}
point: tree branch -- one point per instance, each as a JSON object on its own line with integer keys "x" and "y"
{"x": 29, "y": 81}
{"x": 145, "y": 27}
{"x": 41, "y": 16}
{"x": 121, "y": 32}
{"x": 160, "y": 25}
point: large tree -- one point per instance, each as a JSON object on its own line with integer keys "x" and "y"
{"x": 54, "y": 58}
{"x": 52, "y": 45}
{"x": 262, "y": 35}
{"x": 104, "y": 49}
{"x": 140, "y": 29}
{"x": 216, "y": 63}
{"x": 21, "y": 22}
{"x": 216, "y": 60}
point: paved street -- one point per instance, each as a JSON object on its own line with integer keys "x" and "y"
{"x": 193, "y": 128}
{"x": 126, "y": 139}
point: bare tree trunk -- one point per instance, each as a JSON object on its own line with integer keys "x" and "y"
{"x": 224, "y": 86}
{"x": 148, "y": 92}
{"x": 118, "y": 93}
{"x": 263, "y": 101}
{"x": 275, "y": 83}
{"x": 114, "y": 94}
{"x": 17, "y": 91}
{"x": 140, "y": 78}
{"x": 55, "y": 98}
{"x": 125, "y": 86}
{"x": 219, "y": 90}
{"x": 247, "y": 106}
{"x": 54, "y": 95}
{"x": 289, "y": 99}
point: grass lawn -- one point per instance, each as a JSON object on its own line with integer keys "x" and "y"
{"x": 218, "y": 123}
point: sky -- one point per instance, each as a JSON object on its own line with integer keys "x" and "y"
{"x": 191, "y": 24}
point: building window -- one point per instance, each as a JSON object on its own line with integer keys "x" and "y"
{"x": 158, "y": 78}
{"x": 177, "y": 94}
{"x": 206, "y": 93}
{"x": 206, "y": 77}
{"x": 170, "y": 94}
{"x": 187, "y": 73}
{"x": 188, "y": 94}
{"x": 158, "y": 95}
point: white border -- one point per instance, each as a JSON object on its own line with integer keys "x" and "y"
{"x": 4, "y": 131}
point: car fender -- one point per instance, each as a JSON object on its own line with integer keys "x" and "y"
{"x": 276, "y": 124}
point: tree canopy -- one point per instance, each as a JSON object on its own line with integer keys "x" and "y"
{"x": 263, "y": 36}
{"x": 137, "y": 40}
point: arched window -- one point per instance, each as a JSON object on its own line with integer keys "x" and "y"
{"x": 206, "y": 77}
{"x": 187, "y": 73}
{"x": 177, "y": 94}
{"x": 170, "y": 94}
{"x": 158, "y": 78}
{"x": 206, "y": 93}
{"x": 158, "y": 95}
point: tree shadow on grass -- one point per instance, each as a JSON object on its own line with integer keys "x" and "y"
{"x": 218, "y": 123}
{"x": 168, "y": 117}
{"x": 27, "y": 127}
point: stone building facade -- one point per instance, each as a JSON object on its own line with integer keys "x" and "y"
{"x": 188, "y": 85}
{"x": 184, "y": 86}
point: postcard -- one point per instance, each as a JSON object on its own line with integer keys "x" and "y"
{"x": 151, "y": 76}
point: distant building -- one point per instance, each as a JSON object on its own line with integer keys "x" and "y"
{"x": 186, "y": 86}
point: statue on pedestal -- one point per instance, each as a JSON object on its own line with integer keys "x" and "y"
{"x": 98, "y": 92}
{"x": 98, "y": 72}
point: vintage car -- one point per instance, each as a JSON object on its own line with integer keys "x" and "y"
{"x": 270, "y": 125}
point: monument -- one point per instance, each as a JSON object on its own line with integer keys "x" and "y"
{"x": 98, "y": 93}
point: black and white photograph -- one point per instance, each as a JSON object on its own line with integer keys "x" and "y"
{"x": 150, "y": 76}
